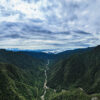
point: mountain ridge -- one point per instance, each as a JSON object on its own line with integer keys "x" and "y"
{"x": 70, "y": 72}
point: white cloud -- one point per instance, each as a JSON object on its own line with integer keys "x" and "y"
{"x": 49, "y": 24}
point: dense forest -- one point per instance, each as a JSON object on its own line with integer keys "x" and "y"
{"x": 21, "y": 76}
{"x": 79, "y": 71}
{"x": 71, "y": 75}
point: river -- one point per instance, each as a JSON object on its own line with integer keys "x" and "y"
{"x": 45, "y": 83}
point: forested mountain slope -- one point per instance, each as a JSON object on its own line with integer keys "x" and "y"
{"x": 21, "y": 76}
{"x": 19, "y": 59}
{"x": 71, "y": 74}
{"x": 81, "y": 70}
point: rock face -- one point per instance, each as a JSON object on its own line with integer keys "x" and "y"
{"x": 94, "y": 98}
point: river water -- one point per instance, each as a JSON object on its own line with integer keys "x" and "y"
{"x": 45, "y": 83}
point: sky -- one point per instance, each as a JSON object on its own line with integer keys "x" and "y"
{"x": 49, "y": 24}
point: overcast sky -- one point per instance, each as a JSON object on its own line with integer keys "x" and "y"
{"x": 49, "y": 24}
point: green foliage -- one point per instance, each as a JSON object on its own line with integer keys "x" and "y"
{"x": 16, "y": 84}
{"x": 21, "y": 78}
{"x": 72, "y": 94}
{"x": 79, "y": 70}
{"x": 75, "y": 77}
{"x": 19, "y": 59}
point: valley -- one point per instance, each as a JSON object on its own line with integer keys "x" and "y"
{"x": 45, "y": 87}
{"x": 49, "y": 49}
{"x": 64, "y": 76}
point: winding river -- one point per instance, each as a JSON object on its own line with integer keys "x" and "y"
{"x": 45, "y": 83}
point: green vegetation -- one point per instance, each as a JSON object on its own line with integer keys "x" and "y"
{"x": 20, "y": 59}
{"x": 21, "y": 76}
{"x": 75, "y": 94}
{"x": 81, "y": 70}
{"x": 16, "y": 84}
{"x": 70, "y": 95}
{"x": 75, "y": 77}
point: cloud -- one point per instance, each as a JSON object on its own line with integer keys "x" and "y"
{"x": 49, "y": 24}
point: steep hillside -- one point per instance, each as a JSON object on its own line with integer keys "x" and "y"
{"x": 17, "y": 84}
{"x": 72, "y": 74}
{"x": 81, "y": 70}
{"x": 19, "y": 59}
{"x": 21, "y": 76}
{"x": 75, "y": 94}
{"x": 68, "y": 53}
